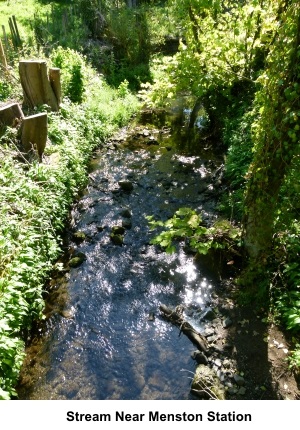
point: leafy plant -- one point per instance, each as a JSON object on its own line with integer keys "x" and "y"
{"x": 123, "y": 89}
{"x": 73, "y": 69}
{"x": 294, "y": 359}
{"x": 186, "y": 225}
{"x": 5, "y": 90}
{"x": 288, "y": 304}
{"x": 75, "y": 88}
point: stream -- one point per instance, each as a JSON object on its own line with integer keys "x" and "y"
{"x": 103, "y": 336}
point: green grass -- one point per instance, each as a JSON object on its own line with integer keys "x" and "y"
{"x": 22, "y": 10}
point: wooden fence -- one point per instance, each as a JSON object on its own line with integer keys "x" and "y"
{"x": 40, "y": 87}
{"x": 10, "y": 42}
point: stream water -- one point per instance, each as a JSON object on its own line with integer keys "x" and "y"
{"x": 104, "y": 337}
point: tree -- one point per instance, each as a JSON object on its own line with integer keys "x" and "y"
{"x": 229, "y": 48}
{"x": 224, "y": 47}
{"x": 276, "y": 132}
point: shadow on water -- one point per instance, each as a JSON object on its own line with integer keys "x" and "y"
{"x": 104, "y": 337}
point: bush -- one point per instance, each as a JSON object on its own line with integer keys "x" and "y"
{"x": 73, "y": 67}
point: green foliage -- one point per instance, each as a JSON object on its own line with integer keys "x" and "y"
{"x": 58, "y": 22}
{"x": 5, "y": 89}
{"x": 237, "y": 138}
{"x": 223, "y": 42}
{"x": 73, "y": 68}
{"x": 123, "y": 90}
{"x": 22, "y": 10}
{"x": 288, "y": 304}
{"x": 158, "y": 91}
{"x": 287, "y": 293}
{"x": 294, "y": 359}
{"x": 275, "y": 134}
{"x": 29, "y": 224}
{"x": 187, "y": 225}
{"x": 75, "y": 88}
{"x": 128, "y": 29}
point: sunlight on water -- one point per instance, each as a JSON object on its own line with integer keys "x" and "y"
{"x": 111, "y": 340}
{"x": 186, "y": 160}
{"x": 189, "y": 270}
{"x": 202, "y": 170}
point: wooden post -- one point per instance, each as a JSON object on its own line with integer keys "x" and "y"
{"x": 3, "y": 57}
{"x": 13, "y": 33}
{"x": 34, "y": 133}
{"x": 10, "y": 114}
{"x": 5, "y": 38}
{"x": 19, "y": 41}
{"x": 36, "y": 84}
{"x": 54, "y": 77}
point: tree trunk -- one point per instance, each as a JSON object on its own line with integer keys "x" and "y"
{"x": 194, "y": 112}
{"x": 261, "y": 203}
{"x": 277, "y": 141}
{"x": 34, "y": 133}
{"x": 36, "y": 84}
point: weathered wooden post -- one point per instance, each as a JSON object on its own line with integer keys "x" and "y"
{"x": 14, "y": 32}
{"x": 10, "y": 114}
{"x": 3, "y": 57}
{"x": 34, "y": 128}
{"x": 5, "y": 38}
{"x": 34, "y": 131}
{"x": 54, "y": 77}
{"x": 36, "y": 84}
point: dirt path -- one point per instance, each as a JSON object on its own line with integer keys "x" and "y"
{"x": 255, "y": 350}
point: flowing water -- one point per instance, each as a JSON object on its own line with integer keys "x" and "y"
{"x": 104, "y": 337}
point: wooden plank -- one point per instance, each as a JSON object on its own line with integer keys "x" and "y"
{"x": 54, "y": 77}
{"x": 11, "y": 114}
{"x": 34, "y": 133}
